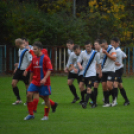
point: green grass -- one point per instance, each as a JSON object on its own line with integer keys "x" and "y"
{"x": 69, "y": 118}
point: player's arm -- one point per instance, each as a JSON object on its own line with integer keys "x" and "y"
{"x": 68, "y": 65}
{"x": 111, "y": 55}
{"x": 48, "y": 67}
{"x": 79, "y": 61}
{"x": 98, "y": 62}
{"x": 124, "y": 56}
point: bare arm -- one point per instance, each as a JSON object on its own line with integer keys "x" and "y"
{"x": 43, "y": 81}
{"x": 109, "y": 55}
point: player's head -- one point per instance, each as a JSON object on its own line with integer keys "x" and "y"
{"x": 19, "y": 43}
{"x": 97, "y": 44}
{"x": 26, "y": 41}
{"x": 88, "y": 46}
{"x": 115, "y": 42}
{"x": 37, "y": 47}
{"x": 70, "y": 44}
{"x": 76, "y": 49}
{"x": 104, "y": 44}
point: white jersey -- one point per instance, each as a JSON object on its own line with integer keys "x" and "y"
{"x": 109, "y": 65}
{"x": 84, "y": 59}
{"x": 69, "y": 52}
{"x": 120, "y": 55}
{"x": 24, "y": 59}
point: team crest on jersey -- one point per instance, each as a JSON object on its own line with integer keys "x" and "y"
{"x": 115, "y": 78}
{"x": 37, "y": 62}
{"x": 109, "y": 77}
{"x": 82, "y": 79}
{"x": 89, "y": 82}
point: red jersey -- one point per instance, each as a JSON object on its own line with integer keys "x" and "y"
{"x": 39, "y": 67}
{"x": 44, "y": 51}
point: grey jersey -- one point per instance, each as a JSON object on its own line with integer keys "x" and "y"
{"x": 109, "y": 65}
{"x": 84, "y": 58}
{"x": 25, "y": 60}
{"x": 120, "y": 55}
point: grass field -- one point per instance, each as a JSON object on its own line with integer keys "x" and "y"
{"x": 69, "y": 118}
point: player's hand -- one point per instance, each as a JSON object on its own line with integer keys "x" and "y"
{"x": 66, "y": 70}
{"x": 14, "y": 71}
{"x": 76, "y": 70}
{"x": 81, "y": 68}
{"x": 104, "y": 51}
{"x": 100, "y": 75}
{"x": 25, "y": 73}
{"x": 117, "y": 64}
{"x": 43, "y": 81}
{"x": 16, "y": 65}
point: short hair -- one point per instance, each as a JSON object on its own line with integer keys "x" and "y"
{"x": 38, "y": 44}
{"x": 116, "y": 39}
{"x": 88, "y": 42}
{"x": 24, "y": 39}
{"x": 103, "y": 41}
{"x": 19, "y": 40}
{"x": 98, "y": 41}
{"x": 70, "y": 42}
{"x": 76, "y": 47}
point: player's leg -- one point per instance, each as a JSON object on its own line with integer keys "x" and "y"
{"x": 35, "y": 101}
{"x": 123, "y": 93}
{"x": 72, "y": 87}
{"x": 16, "y": 92}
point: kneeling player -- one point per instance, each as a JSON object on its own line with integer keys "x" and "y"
{"x": 41, "y": 69}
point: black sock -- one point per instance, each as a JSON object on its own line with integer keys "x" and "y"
{"x": 95, "y": 94}
{"x": 113, "y": 93}
{"x": 106, "y": 96}
{"x": 116, "y": 92}
{"x": 93, "y": 98}
{"x": 73, "y": 90}
{"x": 16, "y": 92}
{"x": 87, "y": 97}
{"x": 123, "y": 93}
{"x": 83, "y": 95}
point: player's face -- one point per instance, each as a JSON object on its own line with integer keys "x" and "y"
{"x": 77, "y": 51}
{"x": 104, "y": 46}
{"x": 36, "y": 50}
{"x": 97, "y": 46}
{"x": 88, "y": 47}
{"x": 113, "y": 43}
{"x": 68, "y": 46}
{"x": 71, "y": 46}
{"x": 17, "y": 44}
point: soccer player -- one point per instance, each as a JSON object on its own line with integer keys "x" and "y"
{"x": 119, "y": 70}
{"x": 73, "y": 63}
{"x": 41, "y": 69}
{"x": 24, "y": 60}
{"x": 90, "y": 58}
{"x": 98, "y": 77}
{"x": 29, "y": 47}
{"x": 108, "y": 70}
{"x": 72, "y": 75}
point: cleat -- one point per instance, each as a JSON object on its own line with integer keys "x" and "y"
{"x": 94, "y": 106}
{"x": 25, "y": 104}
{"x": 81, "y": 102}
{"x": 28, "y": 117}
{"x": 126, "y": 103}
{"x": 91, "y": 102}
{"x": 106, "y": 105}
{"x": 75, "y": 99}
{"x": 84, "y": 105}
{"x": 44, "y": 118}
{"x": 43, "y": 102}
{"x": 54, "y": 107}
{"x": 17, "y": 102}
{"x": 114, "y": 103}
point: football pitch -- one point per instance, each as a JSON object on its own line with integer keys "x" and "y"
{"x": 69, "y": 118}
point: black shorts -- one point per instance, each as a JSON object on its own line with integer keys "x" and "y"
{"x": 107, "y": 76}
{"x": 80, "y": 78}
{"x": 72, "y": 76}
{"x": 118, "y": 75}
{"x": 89, "y": 81}
{"x": 97, "y": 79}
{"x": 19, "y": 76}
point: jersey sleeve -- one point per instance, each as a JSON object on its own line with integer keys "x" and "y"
{"x": 80, "y": 58}
{"x": 47, "y": 63}
{"x": 97, "y": 58}
{"x": 45, "y": 52}
{"x": 113, "y": 52}
{"x": 70, "y": 61}
{"x": 32, "y": 53}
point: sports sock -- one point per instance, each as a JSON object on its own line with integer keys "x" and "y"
{"x": 106, "y": 96}
{"x": 16, "y": 92}
{"x": 116, "y": 92}
{"x": 113, "y": 93}
{"x": 52, "y": 103}
{"x": 30, "y": 107}
{"x": 92, "y": 97}
{"x": 87, "y": 97}
{"x": 83, "y": 94}
{"x": 123, "y": 93}
{"x": 35, "y": 104}
{"x": 46, "y": 110}
{"x": 73, "y": 90}
{"x": 95, "y": 94}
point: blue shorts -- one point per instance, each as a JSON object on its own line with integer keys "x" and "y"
{"x": 42, "y": 90}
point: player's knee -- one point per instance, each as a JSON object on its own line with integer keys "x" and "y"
{"x": 13, "y": 84}
{"x": 110, "y": 87}
{"x": 89, "y": 90}
{"x": 29, "y": 96}
{"x": 69, "y": 83}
